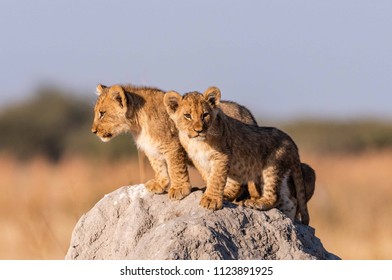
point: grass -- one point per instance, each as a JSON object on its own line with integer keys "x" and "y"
{"x": 352, "y": 204}
{"x": 40, "y": 202}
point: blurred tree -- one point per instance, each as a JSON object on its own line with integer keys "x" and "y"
{"x": 52, "y": 123}
{"x": 341, "y": 137}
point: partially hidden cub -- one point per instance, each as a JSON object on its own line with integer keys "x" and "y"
{"x": 242, "y": 114}
{"x": 229, "y": 154}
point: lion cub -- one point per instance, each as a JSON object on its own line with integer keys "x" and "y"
{"x": 229, "y": 153}
{"x": 140, "y": 111}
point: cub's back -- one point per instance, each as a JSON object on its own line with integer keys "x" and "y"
{"x": 237, "y": 112}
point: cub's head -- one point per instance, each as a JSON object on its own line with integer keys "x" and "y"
{"x": 194, "y": 112}
{"x": 110, "y": 112}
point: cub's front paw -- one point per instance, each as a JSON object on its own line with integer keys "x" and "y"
{"x": 155, "y": 187}
{"x": 177, "y": 193}
{"x": 239, "y": 203}
{"x": 211, "y": 202}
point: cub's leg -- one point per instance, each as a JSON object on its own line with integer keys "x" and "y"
{"x": 236, "y": 191}
{"x": 309, "y": 178}
{"x": 288, "y": 206}
{"x": 286, "y": 202}
{"x": 213, "y": 196}
{"x": 161, "y": 181}
{"x": 177, "y": 168}
{"x": 232, "y": 190}
{"x": 254, "y": 189}
{"x": 272, "y": 180}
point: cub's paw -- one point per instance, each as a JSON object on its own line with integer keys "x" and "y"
{"x": 177, "y": 193}
{"x": 239, "y": 203}
{"x": 211, "y": 202}
{"x": 258, "y": 204}
{"x": 155, "y": 187}
{"x": 251, "y": 203}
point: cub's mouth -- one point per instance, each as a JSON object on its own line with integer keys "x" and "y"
{"x": 106, "y": 137}
{"x": 199, "y": 136}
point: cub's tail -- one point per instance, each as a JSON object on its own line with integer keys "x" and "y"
{"x": 301, "y": 193}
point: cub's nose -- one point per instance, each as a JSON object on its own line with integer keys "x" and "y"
{"x": 198, "y": 129}
{"x": 94, "y": 130}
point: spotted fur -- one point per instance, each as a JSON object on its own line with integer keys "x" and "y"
{"x": 229, "y": 153}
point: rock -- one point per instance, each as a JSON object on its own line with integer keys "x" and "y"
{"x": 132, "y": 223}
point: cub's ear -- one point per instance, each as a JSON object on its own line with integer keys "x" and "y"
{"x": 118, "y": 94}
{"x": 213, "y": 96}
{"x": 172, "y": 100}
{"x": 100, "y": 89}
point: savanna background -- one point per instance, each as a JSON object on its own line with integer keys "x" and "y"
{"x": 319, "y": 71}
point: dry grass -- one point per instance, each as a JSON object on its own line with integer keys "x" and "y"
{"x": 352, "y": 206}
{"x": 40, "y": 203}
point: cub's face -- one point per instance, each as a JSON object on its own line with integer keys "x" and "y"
{"x": 194, "y": 112}
{"x": 109, "y": 113}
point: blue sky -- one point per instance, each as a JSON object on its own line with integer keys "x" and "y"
{"x": 282, "y": 59}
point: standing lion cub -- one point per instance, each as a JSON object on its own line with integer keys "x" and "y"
{"x": 229, "y": 153}
{"x": 140, "y": 111}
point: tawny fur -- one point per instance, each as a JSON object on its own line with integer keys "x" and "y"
{"x": 252, "y": 190}
{"x": 229, "y": 154}
{"x": 141, "y": 112}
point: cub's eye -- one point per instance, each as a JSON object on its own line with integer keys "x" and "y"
{"x": 188, "y": 116}
{"x": 101, "y": 114}
{"x": 205, "y": 115}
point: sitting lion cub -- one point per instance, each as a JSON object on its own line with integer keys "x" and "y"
{"x": 229, "y": 153}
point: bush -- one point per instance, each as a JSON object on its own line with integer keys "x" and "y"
{"x": 341, "y": 137}
{"x": 54, "y": 123}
